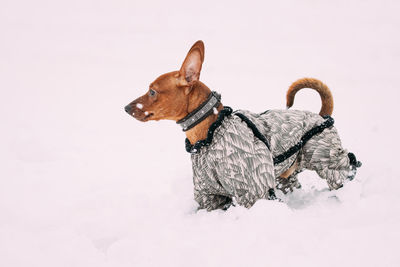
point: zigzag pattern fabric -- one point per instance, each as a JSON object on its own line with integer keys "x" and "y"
{"x": 238, "y": 167}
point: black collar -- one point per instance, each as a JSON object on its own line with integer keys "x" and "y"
{"x": 200, "y": 113}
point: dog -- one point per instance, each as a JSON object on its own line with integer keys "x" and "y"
{"x": 239, "y": 157}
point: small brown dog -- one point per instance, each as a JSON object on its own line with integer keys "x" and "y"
{"x": 181, "y": 97}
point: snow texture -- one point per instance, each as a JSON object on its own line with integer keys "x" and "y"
{"x": 215, "y": 111}
{"x": 84, "y": 184}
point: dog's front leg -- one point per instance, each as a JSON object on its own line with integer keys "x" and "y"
{"x": 247, "y": 173}
{"x": 211, "y": 201}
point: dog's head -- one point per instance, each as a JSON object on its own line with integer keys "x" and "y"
{"x": 167, "y": 96}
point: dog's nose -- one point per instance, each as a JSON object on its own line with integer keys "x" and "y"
{"x": 128, "y": 109}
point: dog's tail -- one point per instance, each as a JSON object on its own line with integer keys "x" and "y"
{"x": 320, "y": 87}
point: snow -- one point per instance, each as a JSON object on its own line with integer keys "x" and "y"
{"x": 139, "y": 106}
{"x": 82, "y": 183}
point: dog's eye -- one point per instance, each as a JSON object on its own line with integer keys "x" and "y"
{"x": 152, "y": 92}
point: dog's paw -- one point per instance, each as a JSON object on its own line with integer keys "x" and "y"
{"x": 287, "y": 185}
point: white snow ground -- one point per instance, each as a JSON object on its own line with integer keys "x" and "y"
{"x": 84, "y": 184}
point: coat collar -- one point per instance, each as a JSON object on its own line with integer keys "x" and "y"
{"x": 226, "y": 111}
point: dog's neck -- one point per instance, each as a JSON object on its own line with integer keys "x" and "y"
{"x": 196, "y": 97}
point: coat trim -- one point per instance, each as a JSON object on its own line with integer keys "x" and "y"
{"x": 253, "y": 127}
{"x": 353, "y": 160}
{"x": 294, "y": 149}
{"x": 226, "y": 111}
{"x": 307, "y": 136}
{"x": 278, "y": 159}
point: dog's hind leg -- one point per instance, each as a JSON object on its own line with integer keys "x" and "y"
{"x": 324, "y": 154}
{"x": 334, "y": 178}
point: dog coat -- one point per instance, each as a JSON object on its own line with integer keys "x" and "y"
{"x": 245, "y": 153}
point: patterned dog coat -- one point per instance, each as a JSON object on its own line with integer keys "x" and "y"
{"x": 245, "y": 153}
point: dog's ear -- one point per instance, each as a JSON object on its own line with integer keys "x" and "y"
{"x": 191, "y": 67}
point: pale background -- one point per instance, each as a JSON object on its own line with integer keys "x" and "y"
{"x": 84, "y": 184}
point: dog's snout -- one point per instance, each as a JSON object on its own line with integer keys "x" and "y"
{"x": 128, "y": 109}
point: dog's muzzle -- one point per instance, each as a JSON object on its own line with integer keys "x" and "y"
{"x": 128, "y": 109}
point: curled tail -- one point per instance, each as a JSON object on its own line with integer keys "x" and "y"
{"x": 320, "y": 87}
